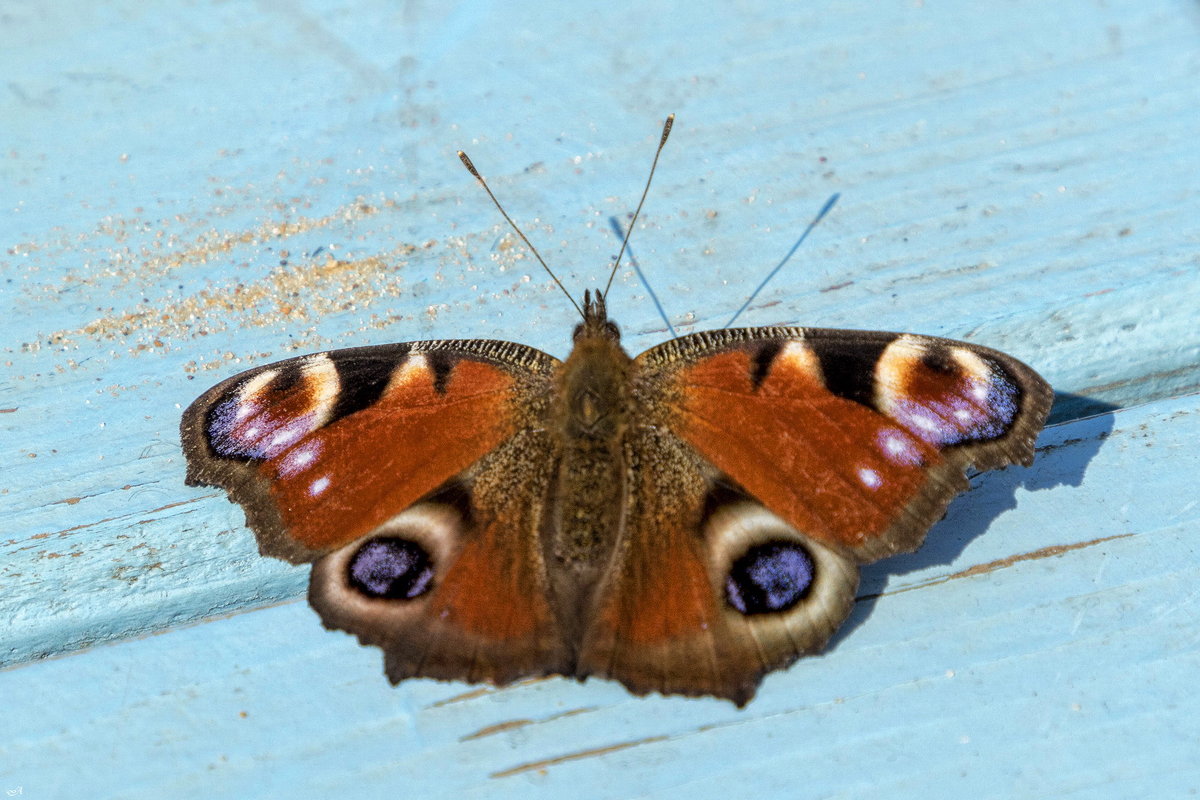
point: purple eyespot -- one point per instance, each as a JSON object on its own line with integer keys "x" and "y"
{"x": 391, "y": 569}
{"x": 770, "y": 577}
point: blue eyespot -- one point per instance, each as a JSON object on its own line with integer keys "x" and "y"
{"x": 770, "y": 577}
{"x": 391, "y": 569}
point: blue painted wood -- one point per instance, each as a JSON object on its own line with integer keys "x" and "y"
{"x": 1000, "y": 666}
{"x": 192, "y": 190}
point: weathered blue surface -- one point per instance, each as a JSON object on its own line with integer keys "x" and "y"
{"x": 191, "y": 190}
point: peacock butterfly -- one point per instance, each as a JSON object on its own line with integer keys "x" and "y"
{"x": 683, "y": 522}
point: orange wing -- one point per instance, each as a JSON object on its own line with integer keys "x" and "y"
{"x": 766, "y": 465}
{"x": 415, "y": 475}
{"x": 856, "y": 438}
{"x": 709, "y": 590}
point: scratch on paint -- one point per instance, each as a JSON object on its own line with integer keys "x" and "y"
{"x": 458, "y": 698}
{"x": 515, "y": 724}
{"x": 1078, "y": 621}
{"x": 535, "y": 766}
{"x": 81, "y": 526}
{"x": 501, "y": 727}
{"x": 486, "y": 690}
{"x": 1174, "y": 607}
{"x": 1141, "y": 379}
{"x": 1002, "y": 563}
{"x": 1183, "y": 510}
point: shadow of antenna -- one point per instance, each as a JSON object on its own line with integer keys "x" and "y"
{"x": 820, "y": 215}
{"x": 632, "y": 261}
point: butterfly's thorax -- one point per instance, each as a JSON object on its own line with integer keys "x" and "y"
{"x": 593, "y": 387}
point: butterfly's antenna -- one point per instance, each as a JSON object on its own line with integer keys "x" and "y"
{"x": 820, "y": 216}
{"x": 471, "y": 168}
{"x": 616, "y": 226}
{"x": 662, "y": 141}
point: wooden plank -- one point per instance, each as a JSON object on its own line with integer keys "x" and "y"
{"x": 1060, "y": 668}
{"x": 195, "y": 189}
{"x": 209, "y": 259}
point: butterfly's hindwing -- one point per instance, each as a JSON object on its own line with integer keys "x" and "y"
{"x": 711, "y": 590}
{"x": 454, "y": 587}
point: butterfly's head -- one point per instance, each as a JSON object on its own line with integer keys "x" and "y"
{"x": 596, "y": 324}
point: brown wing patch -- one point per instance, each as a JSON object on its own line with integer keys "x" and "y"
{"x": 485, "y": 591}
{"x": 655, "y": 618}
{"x": 479, "y": 611}
{"x": 663, "y": 618}
{"x": 345, "y": 479}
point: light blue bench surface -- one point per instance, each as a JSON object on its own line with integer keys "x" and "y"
{"x": 191, "y": 190}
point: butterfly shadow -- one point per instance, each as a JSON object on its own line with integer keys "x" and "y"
{"x": 1078, "y": 428}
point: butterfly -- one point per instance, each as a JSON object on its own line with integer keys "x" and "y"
{"x": 683, "y": 522}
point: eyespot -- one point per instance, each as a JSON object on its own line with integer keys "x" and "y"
{"x": 770, "y": 577}
{"x": 392, "y": 569}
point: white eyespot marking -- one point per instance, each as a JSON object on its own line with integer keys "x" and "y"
{"x": 899, "y": 447}
{"x": 299, "y": 459}
{"x": 251, "y": 389}
{"x": 287, "y": 434}
{"x": 870, "y": 478}
{"x": 800, "y": 357}
{"x": 973, "y": 401}
{"x": 245, "y": 402}
{"x": 972, "y": 364}
{"x": 924, "y": 421}
{"x": 414, "y": 368}
{"x": 318, "y": 486}
{"x": 892, "y": 371}
{"x": 323, "y": 384}
{"x": 977, "y": 375}
{"x": 893, "y": 442}
{"x": 263, "y": 419}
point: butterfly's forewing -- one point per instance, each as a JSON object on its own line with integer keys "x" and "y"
{"x": 411, "y": 475}
{"x": 857, "y": 438}
{"x": 795, "y": 454}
